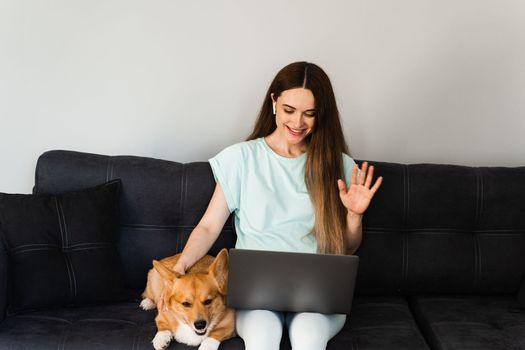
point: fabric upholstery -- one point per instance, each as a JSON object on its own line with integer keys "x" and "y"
{"x": 521, "y": 294}
{"x": 430, "y": 229}
{"x": 376, "y": 323}
{"x": 471, "y": 322}
{"x": 435, "y": 228}
{"x": 449, "y": 238}
{"x": 161, "y": 202}
{"x": 61, "y": 248}
{"x": 3, "y": 281}
{"x": 379, "y": 322}
{"x": 112, "y": 326}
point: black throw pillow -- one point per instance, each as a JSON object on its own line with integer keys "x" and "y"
{"x": 62, "y": 248}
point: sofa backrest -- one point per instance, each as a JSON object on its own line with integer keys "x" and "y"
{"x": 161, "y": 201}
{"x": 430, "y": 228}
{"x": 444, "y": 229}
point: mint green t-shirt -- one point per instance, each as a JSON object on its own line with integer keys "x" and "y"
{"x": 268, "y": 195}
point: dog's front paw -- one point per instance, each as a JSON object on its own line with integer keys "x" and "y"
{"x": 209, "y": 344}
{"x": 147, "y": 304}
{"x": 162, "y": 340}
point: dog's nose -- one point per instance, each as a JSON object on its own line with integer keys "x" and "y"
{"x": 201, "y": 324}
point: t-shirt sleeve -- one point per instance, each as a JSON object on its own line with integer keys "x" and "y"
{"x": 348, "y": 164}
{"x": 227, "y": 169}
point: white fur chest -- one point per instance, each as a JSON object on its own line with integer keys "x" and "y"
{"x": 185, "y": 334}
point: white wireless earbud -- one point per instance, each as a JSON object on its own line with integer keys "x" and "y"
{"x": 274, "y": 108}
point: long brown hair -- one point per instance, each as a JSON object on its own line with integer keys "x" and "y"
{"x": 326, "y": 143}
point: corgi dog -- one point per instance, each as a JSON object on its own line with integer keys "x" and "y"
{"x": 194, "y": 311}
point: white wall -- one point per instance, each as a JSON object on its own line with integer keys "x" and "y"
{"x": 416, "y": 81}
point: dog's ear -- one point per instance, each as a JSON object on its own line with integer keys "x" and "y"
{"x": 164, "y": 272}
{"x": 219, "y": 270}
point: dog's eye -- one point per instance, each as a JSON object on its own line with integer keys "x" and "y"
{"x": 186, "y": 304}
{"x": 207, "y": 302}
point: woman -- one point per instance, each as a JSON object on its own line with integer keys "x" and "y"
{"x": 285, "y": 186}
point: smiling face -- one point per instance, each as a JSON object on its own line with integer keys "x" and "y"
{"x": 294, "y": 114}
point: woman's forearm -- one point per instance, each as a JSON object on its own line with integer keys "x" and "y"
{"x": 198, "y": 245}
{"x": 354, "y": 231}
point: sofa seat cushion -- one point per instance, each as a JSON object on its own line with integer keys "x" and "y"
{"x": 110, "y": 326}
{"x": 379, "y": 323}
{"x": 471, "y": 322}
{"x": 375, "y": 323}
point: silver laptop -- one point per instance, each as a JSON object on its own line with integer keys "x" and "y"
{"x": 296, "y": 282}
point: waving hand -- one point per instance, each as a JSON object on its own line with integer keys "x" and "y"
{"x": 358, "y": 196}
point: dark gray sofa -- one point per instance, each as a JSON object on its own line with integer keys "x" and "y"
{"x": 441, "y": 263}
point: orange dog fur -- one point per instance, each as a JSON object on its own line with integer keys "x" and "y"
{"x": 194, "y": 311}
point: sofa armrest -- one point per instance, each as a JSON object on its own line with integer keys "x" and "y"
{"x": 3, "y": 281}
{"x": 521, "y": 294}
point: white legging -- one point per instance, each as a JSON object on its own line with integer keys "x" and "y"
{"x": 262, "y": 329}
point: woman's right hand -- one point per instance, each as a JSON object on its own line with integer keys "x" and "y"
{"x": 179, "y": 268}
